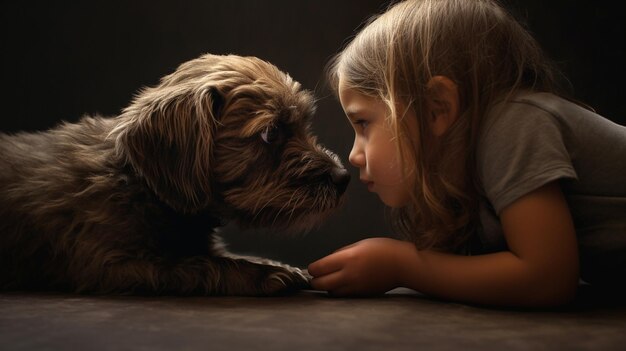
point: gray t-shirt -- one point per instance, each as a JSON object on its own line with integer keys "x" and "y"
{"x": 537, "y": 138}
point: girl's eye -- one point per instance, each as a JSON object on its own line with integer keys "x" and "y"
{"x": 361, "y": 123}
{"x": 270, "y": 134}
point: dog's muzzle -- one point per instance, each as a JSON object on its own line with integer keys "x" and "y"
{"x": 340, "y": 178}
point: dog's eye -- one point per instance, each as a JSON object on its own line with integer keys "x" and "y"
{"x": 270, "y": 134}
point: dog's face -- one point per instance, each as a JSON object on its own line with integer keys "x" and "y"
{"x": 232, "y": 134}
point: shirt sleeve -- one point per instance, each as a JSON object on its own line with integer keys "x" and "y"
{"x": 521, "y": 149}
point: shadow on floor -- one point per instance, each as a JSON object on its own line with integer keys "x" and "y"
{"x": 308, "y": 320}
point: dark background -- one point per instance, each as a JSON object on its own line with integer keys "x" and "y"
{"x": 63, "y": 60}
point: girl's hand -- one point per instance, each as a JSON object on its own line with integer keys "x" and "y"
{"x": 368, "y": 267}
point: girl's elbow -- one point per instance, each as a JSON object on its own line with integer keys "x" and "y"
{"x": 562, "y": 293}
{"x": 556, "y": 291}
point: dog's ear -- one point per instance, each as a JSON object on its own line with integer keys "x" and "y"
{"x": 166, "y": 135}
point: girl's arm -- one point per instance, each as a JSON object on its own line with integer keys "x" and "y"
{"x": 540, "y": 269}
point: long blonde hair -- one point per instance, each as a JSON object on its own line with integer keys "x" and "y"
{"x": 486, "y": 53}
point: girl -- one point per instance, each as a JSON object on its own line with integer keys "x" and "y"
{"x": 506, "y": 192}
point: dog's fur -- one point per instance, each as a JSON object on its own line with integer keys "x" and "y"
{"x": 129, "y": 204}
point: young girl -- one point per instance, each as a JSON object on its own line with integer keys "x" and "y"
{"x": 506, "y": 192}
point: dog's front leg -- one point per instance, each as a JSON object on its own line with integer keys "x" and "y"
{"x": 248, "y": 275}
{"x": 293, "y": 271}
{"x": 198, "y": 275}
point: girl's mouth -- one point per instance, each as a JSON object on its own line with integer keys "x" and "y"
{"x": 369, "y": 184}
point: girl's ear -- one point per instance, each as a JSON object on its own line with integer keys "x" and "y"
{"x": 442, "y": 103}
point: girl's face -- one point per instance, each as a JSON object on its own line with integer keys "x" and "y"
{"x": 374, "y": 151}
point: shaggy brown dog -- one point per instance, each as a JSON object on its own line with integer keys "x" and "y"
{"x": 129, "y": 204}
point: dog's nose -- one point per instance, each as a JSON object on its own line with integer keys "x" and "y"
{"x": 340, "y": 178}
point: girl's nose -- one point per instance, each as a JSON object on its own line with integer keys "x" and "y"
{"x": 357, "y": 156}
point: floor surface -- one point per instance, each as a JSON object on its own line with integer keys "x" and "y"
{"x": 309, "y": 320}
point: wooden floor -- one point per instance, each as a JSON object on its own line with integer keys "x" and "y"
{"x": 309, "y": 320}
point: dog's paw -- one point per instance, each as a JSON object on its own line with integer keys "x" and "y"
{"x": 255, "y": 276}
{"x": 285, "y": 280}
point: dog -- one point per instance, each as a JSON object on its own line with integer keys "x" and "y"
{"x": 130, "y": 204}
